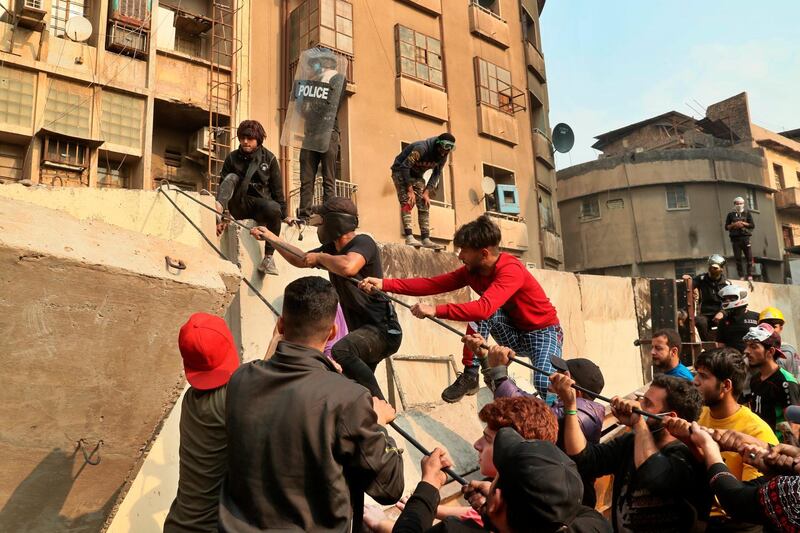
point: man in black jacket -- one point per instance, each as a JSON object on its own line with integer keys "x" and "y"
{"x": 304, "y": 442}
{"x": 706, "y": 289}
{"x": 408, "y": 172}
{"x": 251, "y": 186}
{"x": 658, "y": 484}
{"x": 739, "y": 224}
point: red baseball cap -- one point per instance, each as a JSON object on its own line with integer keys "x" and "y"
{"x": 208, "y": 351}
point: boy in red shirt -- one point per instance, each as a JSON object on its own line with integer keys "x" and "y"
{"x": 512, "y": 307}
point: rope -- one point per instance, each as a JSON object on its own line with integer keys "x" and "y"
{"x": 87, "y": 457}
{"x": 559, "y": 364}
{"x": 211, "y": 244}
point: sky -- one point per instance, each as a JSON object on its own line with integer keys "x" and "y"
{"x": 616, "y": 62}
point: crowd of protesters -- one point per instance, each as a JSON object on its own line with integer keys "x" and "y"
{"x": 296, "y": 441}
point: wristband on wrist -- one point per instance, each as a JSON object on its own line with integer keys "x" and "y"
{"x": 571, "y": 412}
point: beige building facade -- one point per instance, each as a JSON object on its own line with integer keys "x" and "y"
{"x": 655, "y": 202}
{"x": 156, "y": 90}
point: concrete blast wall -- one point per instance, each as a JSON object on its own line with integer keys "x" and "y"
{"x": 89, "y": 315}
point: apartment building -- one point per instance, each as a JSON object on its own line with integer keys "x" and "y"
{"x": 655, "y": 201}
{"x": 157, "y": 89}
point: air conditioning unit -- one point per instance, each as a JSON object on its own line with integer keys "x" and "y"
{"x": 508, "y": 199}
{"x": 200, "y": 142}
{"x": 30, "y": 14}
{"x": 126, "y": 40}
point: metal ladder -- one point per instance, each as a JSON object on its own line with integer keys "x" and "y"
{"x": 223, "y": 90}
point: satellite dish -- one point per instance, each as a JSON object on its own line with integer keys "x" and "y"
{"x": 78, "y": 29}
{"x": 488, "y": 185}
{"x": 563, "y": 138}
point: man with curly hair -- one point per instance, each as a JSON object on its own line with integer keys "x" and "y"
{"x": 251, "y": 186}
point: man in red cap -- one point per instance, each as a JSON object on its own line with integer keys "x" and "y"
{"x": 209, "y": 358}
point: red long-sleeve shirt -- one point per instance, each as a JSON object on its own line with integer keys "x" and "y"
{"x": 509, "y": 286}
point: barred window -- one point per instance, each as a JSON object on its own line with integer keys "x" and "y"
{"x": 16, "y": 96}
{"x": 112, "y": 173}
{"x": 121, "y": 119}
{"x": 62, "y": 10}
{"x": 590, "y": 208}
{"x": 419, "y": 56}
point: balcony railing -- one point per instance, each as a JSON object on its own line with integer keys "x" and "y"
{"x": 488, "y": 11}
{"x": 788, "y": 199}
{"x": 343, "y": 188}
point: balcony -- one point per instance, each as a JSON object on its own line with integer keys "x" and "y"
{"x": 497, "y": 124}
{"x": 343, "y": 188}
{"x": 416, "y": 97}
{"x": 542, "y": 150}
{"x": 535, "y": 61}
{"x": 432, "y": 7}
{"x": 552, "y": 246}
{"x": 788, "y": 200}
{"x": 513, "y": 229}
{"x": 488, "y": 26}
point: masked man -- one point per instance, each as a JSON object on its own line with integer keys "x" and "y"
{"x": 706, "y": 288}
{"x": 374, "y": 330}
{"x": 408, "y": 172}
{"x": 739, "y": 224}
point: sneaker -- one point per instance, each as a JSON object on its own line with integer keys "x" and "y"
{"x": 428, "y": 243}
{"x": 749, "y": 278}
{"x": 267, "y": 266}
{"x": 225, "y": 190}
{"x": 412, "y": 241}
{"x": 466, "y": 384}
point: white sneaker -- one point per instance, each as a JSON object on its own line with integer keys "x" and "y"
{"x": 412, "y": 241}
{"x": 428, "y": 243}
{"x": 268, "y": 266}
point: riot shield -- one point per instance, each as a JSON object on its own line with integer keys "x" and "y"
{"x": 317, "y": 92}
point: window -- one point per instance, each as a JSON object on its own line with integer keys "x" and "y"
{"x": 68, "y": 152}
{"x": 788, "y": 236}
{"x": 172, "y": 162}
{"x": 495, "y": 203}
{"x": 780, "y": 182}
{"x": 685, "y": 268}
{"x": 113, "y": 174}
{"x": 440, "y": 196}
{"x": 615, "y": 203}
{"x": 62, "y": 10}
{"x": 12, "y": 157}
{"x": 752, "y": 200}
{"x": 676, "y": 197}
{"x": 538, "y": 118}
{"x": 590, "y": 208}
{"x": 188, "y": 44}
{"x": 419, "y": 56}
{"x": 494, "y": 87}
{"x": 321, "y": 22}
{"x": 68, "y": 108}
{"x": 528, "y": 29}
{"x": 546, "y": 217}
{"x": 121, "y": 119}
{"x": 492, "y": 6}
{"x": 16, "y": 96}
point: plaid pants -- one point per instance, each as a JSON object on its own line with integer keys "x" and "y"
{"x": 538, "y": 345}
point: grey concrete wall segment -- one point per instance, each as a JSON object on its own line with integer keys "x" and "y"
{"x": 90, "y": 315}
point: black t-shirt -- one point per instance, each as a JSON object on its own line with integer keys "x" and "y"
{"x": 667, "y": 493}
{"x": 359, "y": 308}
{"x": 734, "y": 326}
{"x": 768, "y": 398}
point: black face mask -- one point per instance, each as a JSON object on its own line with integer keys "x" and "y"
{"x": 334, "y": 225}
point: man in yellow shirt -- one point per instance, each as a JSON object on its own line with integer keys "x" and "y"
{"x": 721, "y": 374}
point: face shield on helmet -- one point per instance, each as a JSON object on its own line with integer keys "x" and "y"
{"x": 733, "y": 297}
{"x": 716, "y": 264}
